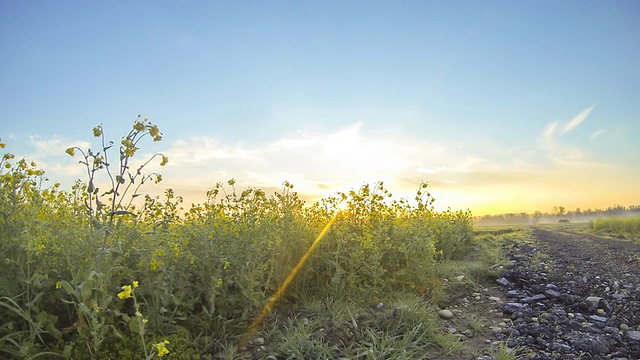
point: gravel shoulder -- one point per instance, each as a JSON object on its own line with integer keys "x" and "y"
{"x": 572, "y": 296}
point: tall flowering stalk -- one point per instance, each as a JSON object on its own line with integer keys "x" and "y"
{"x": 138, "y": 322}
{"x": 122, "y": 180}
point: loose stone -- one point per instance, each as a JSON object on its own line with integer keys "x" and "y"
{"x": 445, "y": 314}
{"x": 633, "y": 335}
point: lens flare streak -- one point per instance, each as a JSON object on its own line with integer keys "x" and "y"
{"x": 267, "y": 308}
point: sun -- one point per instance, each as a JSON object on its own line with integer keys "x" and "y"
{"x": 342, "y": 206}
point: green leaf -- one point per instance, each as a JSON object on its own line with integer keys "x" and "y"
{"x": 107, "y": 301}
{"x": 84, "y": 309}
{"x": 120, "y": 212}
{"x": 67, "y": 351}
{"x": 32, "y": 304}
{"x": 101, "y": 231}
{"x": 48, "y": 322}
{"x": 134, "y": 326}
{"x": 96, "y": 223}
{"x": 85, "y": 290}
{"x": 70, "y": 290}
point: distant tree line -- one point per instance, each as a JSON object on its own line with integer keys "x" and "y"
{"x": 559, "y": 213}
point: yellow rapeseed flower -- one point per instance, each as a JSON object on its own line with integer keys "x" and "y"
{"x": 135, "y": 284}
{"x": 58, "y": 285}
{"x": 162, "y": 349}
{"x": 125, "y": 293}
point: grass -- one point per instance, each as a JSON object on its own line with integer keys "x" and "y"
{"x": 625, "y": 228}
{"x": 628, "y": 227}
{"x": 502, "y": 352}
{"x": 476, "y": 324}
{"x": 403, "y": 328}
{"x": 581, "y": 227}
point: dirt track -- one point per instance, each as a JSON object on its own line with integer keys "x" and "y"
{"x": 574, "y": 296}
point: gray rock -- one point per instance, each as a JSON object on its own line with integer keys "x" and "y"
{"x": 604, "y": 305}
{"x": 445, "y": 314}
{"x": 594, "y": 300}
{"x": 594, "y": 345}
{"x": 598, "y": 318}
{"x": 563, "y": 348}
{"x": 619, "y": 296}
{"x": 552, "y": 294}
{"x": 632, "y": 335}
{"x": 511, "y": 308}
{"x": 513, "y": 293}
{"x": 534, "y": 298}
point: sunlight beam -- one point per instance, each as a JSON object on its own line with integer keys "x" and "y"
{"x": 267, "y": 308}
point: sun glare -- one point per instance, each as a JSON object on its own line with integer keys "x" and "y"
{"x": 267, "y": 308}
{"x": 342, "y": 206}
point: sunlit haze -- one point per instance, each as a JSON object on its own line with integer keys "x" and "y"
{"x": 501, "y": 106}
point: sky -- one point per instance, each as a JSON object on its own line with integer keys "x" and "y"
{"x": 501, "y": 106}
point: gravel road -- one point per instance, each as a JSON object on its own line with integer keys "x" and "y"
{"x": 573, "y": 296}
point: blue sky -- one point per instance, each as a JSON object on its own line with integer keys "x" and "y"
{"x": 501, "y": 106}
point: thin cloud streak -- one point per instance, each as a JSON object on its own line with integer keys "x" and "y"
{"x": 550, "y": 131}
{"x": 49, "y": 154}
{"x": 577, "y": 120}
{"x": 561, "y": 153}
{"x": 597, "y": 134}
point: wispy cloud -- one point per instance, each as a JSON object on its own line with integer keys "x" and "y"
{"x": 550, "y": 131}
{"x": 577, "y": 120}
{"x": 347, "y": 156}
{"x": 596, "y": 134}
{"x": 48, "y": 152}
{"x": 559, "y": 152}
{"x": 321, "y": 163}
{"x": 53, "y": 145}
{"x": 480, "y": 175}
